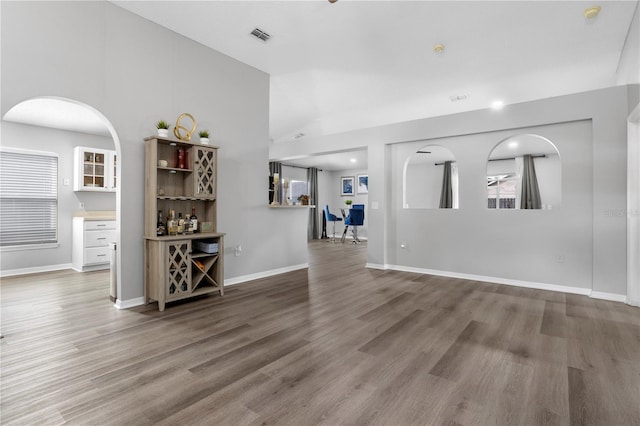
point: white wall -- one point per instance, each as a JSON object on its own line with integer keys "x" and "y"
{"x": 607, "y": 109}
{"x": 507, "y": 244}
{"x": 62, "y": 143}
{"x": 135, "y": 72}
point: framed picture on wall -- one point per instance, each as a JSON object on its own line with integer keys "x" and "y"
{"x": 363, "y": 184}
{"x": 347, "y": 185}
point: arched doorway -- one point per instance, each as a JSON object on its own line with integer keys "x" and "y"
{"x": 74, "y": 116}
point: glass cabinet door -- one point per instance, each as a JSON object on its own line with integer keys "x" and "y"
{"x": 205, "y": 167}
{"x": 93, "y": 175}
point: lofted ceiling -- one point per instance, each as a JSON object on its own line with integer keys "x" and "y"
{"x": 355, "y": 64}
{"x": 352, "y": 64}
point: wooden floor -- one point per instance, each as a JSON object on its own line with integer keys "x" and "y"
{"x": 337, "y": 344}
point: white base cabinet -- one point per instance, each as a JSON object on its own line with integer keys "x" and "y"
{"x": 91, "y": 238}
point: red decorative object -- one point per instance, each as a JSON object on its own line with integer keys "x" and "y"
{"x": 180, "y": 163}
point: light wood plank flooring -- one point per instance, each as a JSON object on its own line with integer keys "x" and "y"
{"x": 338, "y": 344}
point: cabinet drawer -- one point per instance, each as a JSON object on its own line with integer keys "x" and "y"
{"x": 90, "y": 225}
{"x": 99, "y": 238}
{"x": 94, "y": 255}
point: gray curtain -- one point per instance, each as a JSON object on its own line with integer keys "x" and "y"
{"x": 312, "y": 181}
{"x": 530, "y": 194}
{"x": 275, "y": 167}
{"x": 446, "y": 195}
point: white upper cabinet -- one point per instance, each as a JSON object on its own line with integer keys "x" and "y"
{"x": 95, "y": 169}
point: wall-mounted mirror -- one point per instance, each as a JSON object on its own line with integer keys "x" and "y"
{"x": 523, "y": 172}
{"x": 430, "y": 179}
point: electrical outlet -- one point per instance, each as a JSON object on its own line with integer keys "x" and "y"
{"x": 81, "y": 205}
{"x": 237, "y": 250}
{"x": 560, "y": 258}
{"x": 66, "y": 182}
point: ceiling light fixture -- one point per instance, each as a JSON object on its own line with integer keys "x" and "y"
{"x": 591, "y": 12}
{"x": 353, "y": 160}
{"x": 438, "y": 48}
{"x": 497, "y": 104}
{"x": 332, "y": 1}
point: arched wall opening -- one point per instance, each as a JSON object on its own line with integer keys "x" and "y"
{"x": 74, "y": 116}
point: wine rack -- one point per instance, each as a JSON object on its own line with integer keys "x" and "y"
{"x": 180, "y": 176}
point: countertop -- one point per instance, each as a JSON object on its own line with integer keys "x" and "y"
{"x": 96, "y": 215}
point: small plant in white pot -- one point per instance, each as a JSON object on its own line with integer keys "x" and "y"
{"x": 163, "y": 128}
{"x": 204, "y": 136}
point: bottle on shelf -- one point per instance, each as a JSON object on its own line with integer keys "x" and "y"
{"x": 188, "y": 225}
{"x": 180, "y": 223}
{"x": 194, "y": 219}
{"x": 172, "y": 225}
{"x": 160, "y": 230}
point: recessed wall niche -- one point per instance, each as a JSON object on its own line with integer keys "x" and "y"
{"x": 524, "y": 173}
{"x": 430, "y": 179}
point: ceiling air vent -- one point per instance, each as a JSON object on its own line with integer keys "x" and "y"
{"x": 259, "y": 34}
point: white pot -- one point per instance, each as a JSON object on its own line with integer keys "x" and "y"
{"x": 163, "y": 133}
{"x": 204, "y": 141}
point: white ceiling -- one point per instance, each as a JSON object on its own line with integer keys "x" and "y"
{"x": 355, "y": 64}
{"x": 343, "y": 160}
{"x": 57, "y": 113}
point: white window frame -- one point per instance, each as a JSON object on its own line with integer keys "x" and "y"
{"x": 37, "y": 245}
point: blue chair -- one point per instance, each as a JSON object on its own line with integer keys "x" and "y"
{"x": 331, "y": 218}
{"x": 355, "y": 219}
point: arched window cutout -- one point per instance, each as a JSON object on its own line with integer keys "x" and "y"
{"x": 430, "y": 179}
{"x": 524, "y": 172}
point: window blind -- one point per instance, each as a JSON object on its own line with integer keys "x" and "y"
{"x": 28, "y": 198}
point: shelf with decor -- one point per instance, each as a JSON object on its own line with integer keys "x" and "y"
{"x": 182, "y": 177}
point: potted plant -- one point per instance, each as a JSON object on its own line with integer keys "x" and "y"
{"x": 348, "y": 203}
{"x": 204, "y": 136}
{"x": 304, "y": 200}
{"x": 163, "y": 128}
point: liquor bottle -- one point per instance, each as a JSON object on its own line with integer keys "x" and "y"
{"x": 188, "y": 226}
{"x": 172, "y": 226}
{"x": 160, "y": 228}
{"x": 180, "y": 223}
{"x": 194, "y": 219}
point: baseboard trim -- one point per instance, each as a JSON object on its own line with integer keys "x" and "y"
{"x": 129, "y": 303}
{"x": 35, "y": 270}
{"x": 497, "y": 280}
{"x": 376, "y": 266}
{"x": 608, "y": 296}
{"x": 632, "y": 302}
{"x": 264, "y": 274}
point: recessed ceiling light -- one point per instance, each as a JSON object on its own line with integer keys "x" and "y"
{"x": 497, "y": 104}
{"x": 353, "y": 160}
{"x": 438, "y": 48}
{"x": 591, "y": 12}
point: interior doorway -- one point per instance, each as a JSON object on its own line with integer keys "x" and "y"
{"x": 76, "y": 118}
